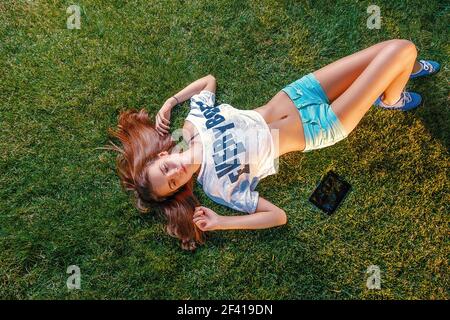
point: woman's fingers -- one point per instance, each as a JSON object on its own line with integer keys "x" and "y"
{"x": 164, "y": 126}
{"x": 201, "y": 208}
{"x": 198, "y": 214}
{"x": 201, "y": 224}
{"x": 164, "y": 123}
{"x": 198, "y": 219}
{"x": 164, "y": 120}
{"x": 160, "y": 128}
{"x": 205, "y": 211}
{"x": 161, "y": 131}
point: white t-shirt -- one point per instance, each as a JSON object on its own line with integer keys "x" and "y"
{"x": 238, "y": 151}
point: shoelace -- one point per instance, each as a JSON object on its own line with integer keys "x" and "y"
{"x": 406, "y": 97}
{"x": 427, "y": 66}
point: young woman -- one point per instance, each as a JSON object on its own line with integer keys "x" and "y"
{"x": 312, "y": 112}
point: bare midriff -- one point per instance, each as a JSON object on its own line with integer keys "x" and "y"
{"x": 282, "y": 116}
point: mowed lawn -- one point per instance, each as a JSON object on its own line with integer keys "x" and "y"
{"x": 61, "y": 203}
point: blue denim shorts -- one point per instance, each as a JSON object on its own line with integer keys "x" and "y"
{"x": 321, "y": 126}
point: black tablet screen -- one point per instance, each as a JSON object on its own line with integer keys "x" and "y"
{"x": 330, "y": 192}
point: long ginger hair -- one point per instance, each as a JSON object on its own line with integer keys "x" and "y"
{"x": 141, "y": 144}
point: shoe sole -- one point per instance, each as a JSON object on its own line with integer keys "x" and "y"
{"x": 426, "y": 75}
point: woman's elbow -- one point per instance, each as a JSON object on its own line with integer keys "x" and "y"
{"x": 281, "y": 217}
{"x": 210, "y": 83}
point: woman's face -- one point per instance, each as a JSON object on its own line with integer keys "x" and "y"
{"x": 168, "y": 173}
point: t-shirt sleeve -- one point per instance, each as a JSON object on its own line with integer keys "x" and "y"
{"x": 246, "y": 201}
{"x": 204, "y": 98}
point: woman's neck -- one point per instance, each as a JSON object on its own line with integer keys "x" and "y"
{"x": 193, "y": 156}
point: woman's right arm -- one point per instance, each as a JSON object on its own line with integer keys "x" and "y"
{"x": 163, "y": 117}
{"x": 267, "y": 215}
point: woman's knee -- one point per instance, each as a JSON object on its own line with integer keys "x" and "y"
{"x": 405, "y": 48}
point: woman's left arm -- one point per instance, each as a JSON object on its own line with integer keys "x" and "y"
{"x": 163, "y": 116}
{"x": 267, "y": 215}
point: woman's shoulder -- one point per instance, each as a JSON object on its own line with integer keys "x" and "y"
{"x": 189, "y": 130}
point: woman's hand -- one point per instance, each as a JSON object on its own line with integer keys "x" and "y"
{"x": 206, "y": 219}
{"x": 163, "y": 118}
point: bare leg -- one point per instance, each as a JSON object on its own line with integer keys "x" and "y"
{"x": 336, "y": 77}
{"x": 387, "y": 72}
{"x": 392, "y": 93}
{"x": 417, "y": 67}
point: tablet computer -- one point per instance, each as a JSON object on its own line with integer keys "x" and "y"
{"x": 330, "y": 192}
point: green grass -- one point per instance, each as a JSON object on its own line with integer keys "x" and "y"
{"x": 61, "y": 203}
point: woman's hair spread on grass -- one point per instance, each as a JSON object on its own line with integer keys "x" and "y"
{"x": 141, "y": 144}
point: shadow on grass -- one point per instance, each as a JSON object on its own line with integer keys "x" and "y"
{"x": 434, "y": 112}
